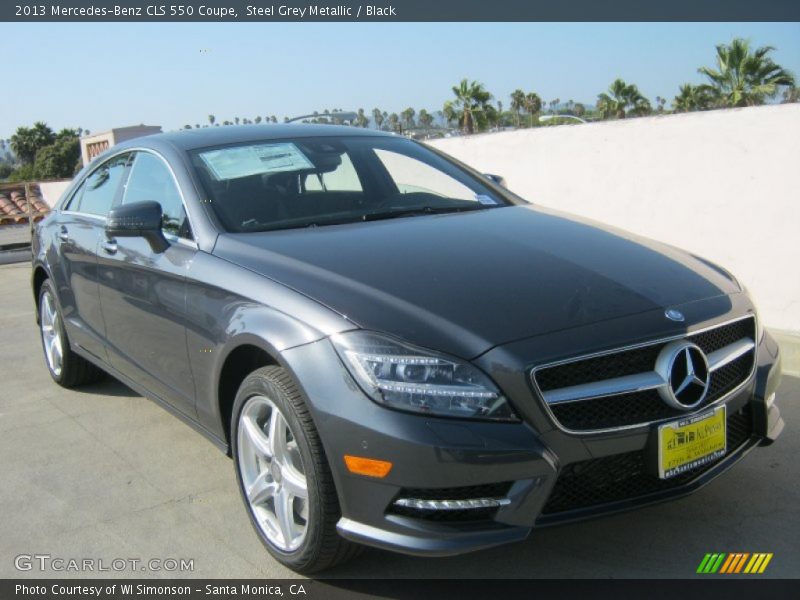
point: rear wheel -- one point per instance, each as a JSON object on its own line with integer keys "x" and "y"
{"x": 283, "y": 474}
{"x": 66, "y": 368}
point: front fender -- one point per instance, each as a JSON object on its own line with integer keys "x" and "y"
{"x": 229, "y": 307}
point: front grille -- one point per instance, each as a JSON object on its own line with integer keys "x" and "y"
{"x": 619, "y": 364}
{"x": 632, "y": 408}
{"x": 642, "y": 407}
{"x": 622, "y": 477}
{"x": 726, "y": 378}
{"x": 492, "y": 490}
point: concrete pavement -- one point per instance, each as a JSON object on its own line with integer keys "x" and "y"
{"x": 102, "y": 473}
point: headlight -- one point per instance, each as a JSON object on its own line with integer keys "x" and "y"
{"x": 413, "y": 379}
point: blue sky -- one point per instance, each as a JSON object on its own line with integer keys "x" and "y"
{"x": 100, "y": 76}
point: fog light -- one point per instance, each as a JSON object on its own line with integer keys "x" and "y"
{"x": 471, "y": 503}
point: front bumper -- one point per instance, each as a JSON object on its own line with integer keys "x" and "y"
{"x": 527, "y": 458}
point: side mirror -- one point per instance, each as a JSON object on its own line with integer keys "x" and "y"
{"x": 498, "y": 179}
{"x": 138, "y": 219}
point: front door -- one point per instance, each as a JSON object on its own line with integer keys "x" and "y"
{"x": 79, "y": 230}
{"x": 143, "y": 293}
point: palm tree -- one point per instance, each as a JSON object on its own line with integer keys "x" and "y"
{"x": 533, "y": 104}
{"x": 408, "y": 117}
{"x": 743, "y": 77}
{"x": 394, "y": 120}
{"x": 377, "y": 117}
{"x": 622, "y": 100}
{"x": 791, "y": 94}
{"x": 579, "y": 109}
{"x": 472, "y": 101}
{"x": 211, "y": 119}
{"x": 27, "y": 141}
{"x": 449, "y": 112}
{"x": 425, "y": 119}
{"x": 692, "y": 97}
{"x": 361, "y": 118}
{"x": 517, "y": 104}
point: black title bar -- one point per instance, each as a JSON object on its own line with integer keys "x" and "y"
{"x": 730, "y": 588}
{"x": 399, "y": 10}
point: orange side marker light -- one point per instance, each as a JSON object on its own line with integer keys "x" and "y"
{"x": 367, "y": 466}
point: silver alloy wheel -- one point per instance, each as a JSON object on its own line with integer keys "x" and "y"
{"x": 272, "y": 473}
{"x": 51, "y": 336}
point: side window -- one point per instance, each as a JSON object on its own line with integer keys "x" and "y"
{"x": 98, "y": 191}
{"x": 151, "y": 179}
{"x": 343, "y": 179}
{"x": 75, "y": 199}
{"x": 411, "y": 175}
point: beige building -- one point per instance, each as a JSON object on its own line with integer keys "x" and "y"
{"x": 92, "y": 145}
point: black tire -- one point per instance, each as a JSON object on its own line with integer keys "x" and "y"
{"x": 322, "y": 547}
{"x": 75, "y": 370}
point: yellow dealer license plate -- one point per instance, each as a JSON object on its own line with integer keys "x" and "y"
{"x": 691, "y": 442}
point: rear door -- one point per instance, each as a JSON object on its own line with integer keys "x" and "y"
{"x": 79, "y": 230}
{"x": 143, "y": 293}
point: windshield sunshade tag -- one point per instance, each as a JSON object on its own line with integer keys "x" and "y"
{"x": 243, "y": 161}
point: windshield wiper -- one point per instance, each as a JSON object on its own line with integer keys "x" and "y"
{"x": 370, "y": 216}
{"x": 419, "y": 211}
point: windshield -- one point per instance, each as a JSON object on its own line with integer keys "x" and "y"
{"x": 304, "y": 182}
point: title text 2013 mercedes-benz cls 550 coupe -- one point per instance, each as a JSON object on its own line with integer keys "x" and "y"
{"x": 396, "y": 350}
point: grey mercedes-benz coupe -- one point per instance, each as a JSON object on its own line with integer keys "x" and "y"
{"x": 396, "y": 350}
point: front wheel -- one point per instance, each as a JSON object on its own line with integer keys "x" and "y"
{"x": 283, "y": 474}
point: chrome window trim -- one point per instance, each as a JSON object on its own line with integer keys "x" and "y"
{"x": 78, "y": 213}
{"x": 647, "y": 424}
{"x": 174, "y": 239}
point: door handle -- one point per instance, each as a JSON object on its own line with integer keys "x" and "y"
{"x": 110, "y": 246}
{"x": 63, "y": 234}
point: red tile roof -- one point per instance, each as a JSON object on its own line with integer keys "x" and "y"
{"x": 14, "y": 206}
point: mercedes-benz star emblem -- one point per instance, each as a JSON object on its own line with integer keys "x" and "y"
{"x": 684, "y": 369}
{"x": 673, "y": 314}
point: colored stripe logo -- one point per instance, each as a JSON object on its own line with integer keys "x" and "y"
{"x": 734, "y": 562}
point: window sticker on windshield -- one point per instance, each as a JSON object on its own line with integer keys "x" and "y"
{"x": 242, "y": 161}
{"x": 484, "y": 199}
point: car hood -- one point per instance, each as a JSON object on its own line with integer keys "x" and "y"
{"x": 465, "y": 282}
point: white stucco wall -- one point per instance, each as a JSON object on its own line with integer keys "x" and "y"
{"x": 52, "y": 190}
{"x": 723, "y": 184}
